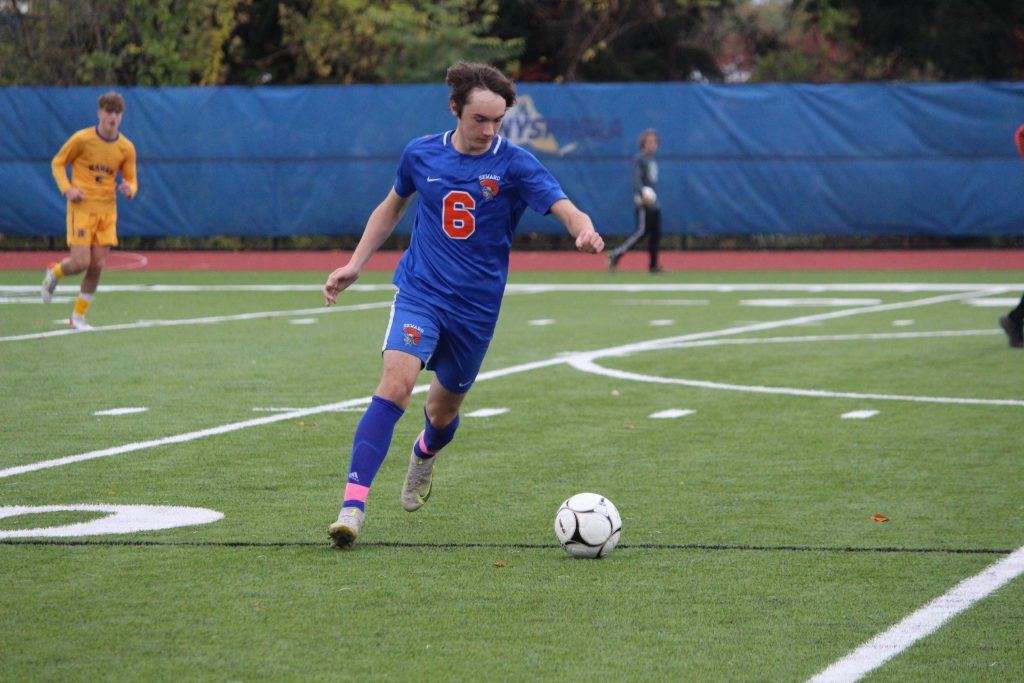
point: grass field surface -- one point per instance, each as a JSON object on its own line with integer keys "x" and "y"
{"x": 166, "y": 481}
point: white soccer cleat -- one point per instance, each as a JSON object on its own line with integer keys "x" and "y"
{"x": 49, "y": 285}
{"x": 77, "y": 322}
{"x": 417, "y": 482}
{"x": 346, "y": 530}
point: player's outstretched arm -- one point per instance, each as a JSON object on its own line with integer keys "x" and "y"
{"x": 579, "y": 226}
{"x": 381, "y": 224}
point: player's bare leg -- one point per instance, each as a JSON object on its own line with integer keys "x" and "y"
{"x": 94, "y": 268}
{"x": 75, "y": 262}
{"x": 97, "y": 258}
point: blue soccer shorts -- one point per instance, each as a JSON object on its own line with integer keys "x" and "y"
{"x": 451, "y": 346}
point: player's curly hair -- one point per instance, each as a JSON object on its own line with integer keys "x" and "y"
{"x": 111, "y": 101}
{"x": 465, "y": 77}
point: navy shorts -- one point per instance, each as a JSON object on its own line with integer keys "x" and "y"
{"x": 453, "y": 347}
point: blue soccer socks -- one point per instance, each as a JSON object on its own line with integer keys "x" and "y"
{"x": 369, "y": 448}
{"x": 433, "y": 439}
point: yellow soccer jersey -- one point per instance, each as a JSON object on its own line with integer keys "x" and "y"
{"x": 95, "y": 162}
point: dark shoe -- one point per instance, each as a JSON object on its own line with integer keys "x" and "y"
{"x": 613, "y": 262}
{"x": 1014, "y": 330}
{"x": 656, "y": 270}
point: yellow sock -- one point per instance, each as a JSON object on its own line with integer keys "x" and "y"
{"x": 82, "y": 304}
{"x": 58, "y": 272}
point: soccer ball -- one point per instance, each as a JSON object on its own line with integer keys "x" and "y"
{"x": 588, "y": 525}
{"x": 647, "y": 195}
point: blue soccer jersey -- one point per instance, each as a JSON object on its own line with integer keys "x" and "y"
{"x": 468, "y": 211}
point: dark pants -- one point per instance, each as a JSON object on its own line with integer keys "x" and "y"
{"x": 1017, "y": 314}
{"x": 648, "y": 224}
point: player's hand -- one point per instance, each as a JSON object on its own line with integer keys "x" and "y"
{"x": 337, "y": 282}
{"x": 75, "y": 194}
{"x": 589, "y": 242}
{"x": 125, "y": 188}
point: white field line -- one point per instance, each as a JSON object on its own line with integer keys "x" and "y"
{"x": 208, "y": 320}
{"x": 808, "y": 303}
{"x": 638, "y": 347}
{"x": 512, "y": 288}
{"x": 135, "y": 261}
{"x": 245, "y": 424}
{"x": 32, "y": 290}
{"x": 923, "y": 622}
{"x": 859, "y": 415}
{"x": 587, "y": 365}
{"x": 872, "y": 336}
{"x": 585, "y": 361}
{"x": 905, "y": 287}
{"x": 571, "y": 358}
{"x": 187, "y": 436}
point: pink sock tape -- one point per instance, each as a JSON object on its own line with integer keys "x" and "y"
{"x": 356, "y": 492}
{"x": 423, "y": 445}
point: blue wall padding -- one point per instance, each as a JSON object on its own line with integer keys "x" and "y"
{"x": 861, "y": 159}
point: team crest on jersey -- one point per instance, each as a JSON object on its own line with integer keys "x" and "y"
{"x": 412, "y": 334}
{"x": 490, "y": 187}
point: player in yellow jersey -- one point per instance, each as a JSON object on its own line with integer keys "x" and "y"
{"x": 96, "y": 156}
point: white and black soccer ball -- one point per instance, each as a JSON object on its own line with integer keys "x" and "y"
{"x": 588, "y": 525}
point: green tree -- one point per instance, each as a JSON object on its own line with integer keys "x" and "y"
{"x": 255, "y": 53}
{"x": 132, "y": 42}
{"x": 391, "y": 41}
{"x": 938, "y": 39}
{"x": 794, "y": 43}
{"x": 617, "y": 40}
{"x": 870, "y": 40}
{"x": 213, "y": 42}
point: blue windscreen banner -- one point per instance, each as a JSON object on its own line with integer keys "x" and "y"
{"x": 849, "y": 159}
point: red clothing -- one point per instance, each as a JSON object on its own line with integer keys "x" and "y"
{"x": 1019, "y": 137}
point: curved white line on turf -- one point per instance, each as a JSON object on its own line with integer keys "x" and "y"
{"x": 624, "y": 349}
{"x": 135, "y": 262}
{"x": 923, "y": 622}
{"x": 871, "y": 336}
{"x": 588, "y": 365}
{"x": 120, "y": 519}
{"x": 627, "y": 349}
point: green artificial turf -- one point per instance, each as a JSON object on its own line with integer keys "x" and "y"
{"x": 748, "y": 551}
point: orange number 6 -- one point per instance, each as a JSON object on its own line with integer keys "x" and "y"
{"x": 457, "y": 218}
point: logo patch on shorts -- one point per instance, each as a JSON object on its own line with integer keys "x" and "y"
{"x": 412, "y": 334}
{"x": 81, "y": 233}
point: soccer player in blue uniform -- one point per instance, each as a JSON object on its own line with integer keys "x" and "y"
{"x": 474, "y": 186}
